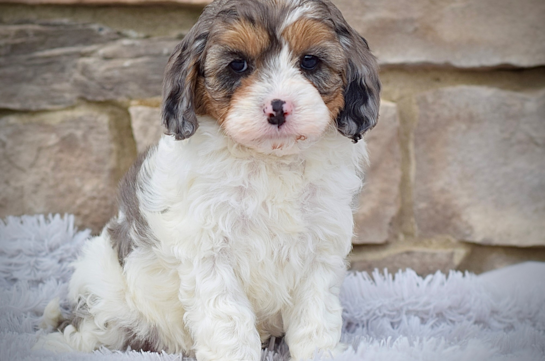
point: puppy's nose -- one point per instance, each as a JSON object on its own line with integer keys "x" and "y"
{"x": 277, "y": 111}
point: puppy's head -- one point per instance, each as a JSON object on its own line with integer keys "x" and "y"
{"x": 274, "y": 73}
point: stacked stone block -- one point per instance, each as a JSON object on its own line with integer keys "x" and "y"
{"x": 456, "y": 178}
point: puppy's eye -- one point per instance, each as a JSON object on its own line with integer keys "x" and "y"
{"x": 309, "y": 62}
{"x": 239, "y": 65}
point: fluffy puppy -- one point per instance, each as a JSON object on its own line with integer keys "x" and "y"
{"x": 235, "y": 227}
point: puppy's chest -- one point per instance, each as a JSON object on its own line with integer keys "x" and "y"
{"x": 273, "y": 203}
{"x": 271, "y": 244}
{"x": 266, "y": 216}
{"x": 274, "y": 219}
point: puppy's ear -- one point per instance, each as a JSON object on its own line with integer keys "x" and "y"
{"x": 179, "y": 86}
{"x": 362, "y": 86}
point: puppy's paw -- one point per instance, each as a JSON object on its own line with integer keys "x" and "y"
{"x": 246, "y": 348}
{"x": 339, "y": 349}
{"x": 52, "y": 315}
{"x": 323, "y": 354}
{"x": 55, "y": 342}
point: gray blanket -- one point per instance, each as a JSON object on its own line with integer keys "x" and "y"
{"x": 497, "y": 316}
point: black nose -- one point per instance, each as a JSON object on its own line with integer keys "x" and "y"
{"x": 277, "y": 117}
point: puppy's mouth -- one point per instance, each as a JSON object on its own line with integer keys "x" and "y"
{"x": 287, "y": 130}
{"x": 281, "y": 145}
{"x": 280, "y": 139}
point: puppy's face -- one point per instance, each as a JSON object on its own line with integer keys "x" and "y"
{"x": 275, "y": 75}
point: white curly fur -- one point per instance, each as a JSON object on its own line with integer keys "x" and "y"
{"x": 248, "y": 246}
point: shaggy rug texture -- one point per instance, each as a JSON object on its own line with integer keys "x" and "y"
{"x": 497, "y": 316}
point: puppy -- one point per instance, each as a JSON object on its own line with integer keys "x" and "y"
{"x": 235, "y": 227}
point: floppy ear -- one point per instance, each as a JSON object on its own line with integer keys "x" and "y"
{"x": 361, "y": 99}
{"x": 179, "y": 86}
{"x": 362, "y": 86}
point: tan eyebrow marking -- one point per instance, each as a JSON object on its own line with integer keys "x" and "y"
{"x": 305, "y": 33}
{"x": 250, "y": 39}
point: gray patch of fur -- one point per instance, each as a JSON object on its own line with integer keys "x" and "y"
{"x": 132, "y": 230}
{"x": 79, "y": 312}
{"x": 362, "y": 91}
{"x": 150, "y": 342}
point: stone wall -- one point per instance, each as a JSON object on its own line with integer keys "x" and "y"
{"x": 457, "y": 172}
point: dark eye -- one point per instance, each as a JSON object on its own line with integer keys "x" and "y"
{"x": 309, "y": 62}
{"x": 239, "y": 65}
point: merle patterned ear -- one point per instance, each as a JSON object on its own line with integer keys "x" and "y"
{"x": 361, "y": 101}
{"x": 183, "y": 68}
{"x": 362, "y": 86}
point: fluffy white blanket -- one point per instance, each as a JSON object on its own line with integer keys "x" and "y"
{"x": 497, "y": 316}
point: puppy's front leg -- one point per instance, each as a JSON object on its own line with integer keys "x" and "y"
{"x": 218, "y": 313}
{"x": 314, "y": 320}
